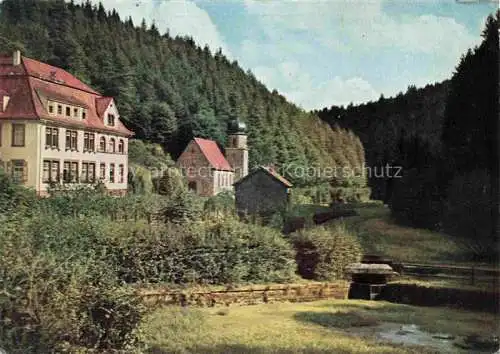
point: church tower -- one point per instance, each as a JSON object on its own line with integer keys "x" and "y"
{"x": 237, "y": 150}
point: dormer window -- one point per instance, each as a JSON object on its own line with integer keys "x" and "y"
{"x": 84, "y": 114}
{"x": 111, "y": 120}
{"x": 51, "y": 108}
{"x": 68, "y": 111}
{"x": 75, "y": 112}
{"x": 59, "y": 109}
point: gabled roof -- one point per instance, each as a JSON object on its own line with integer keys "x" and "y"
{"x": 213, "y": 154}
{"x": 271, "y": 172}
{"x": 101, "y": 104}
{"x": 30, "y": 84}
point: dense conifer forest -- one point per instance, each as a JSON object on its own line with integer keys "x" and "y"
{"x": 445, "y": 138}
{"x": 169, "y": 89}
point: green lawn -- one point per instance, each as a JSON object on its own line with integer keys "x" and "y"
{"x": 333, "y": 326}
{"x": 378, "y": 234}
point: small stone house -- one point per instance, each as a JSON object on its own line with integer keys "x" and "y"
{"x": 263, "y": 192}
{"x": 205, "y": 167}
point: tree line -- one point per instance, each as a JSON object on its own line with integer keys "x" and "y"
{"x": 445, "y": 137}
{"x": 169, "y": 89}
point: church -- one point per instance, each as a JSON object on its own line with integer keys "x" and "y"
{"x": 207, "y": 170}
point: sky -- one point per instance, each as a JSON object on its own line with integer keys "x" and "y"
{"x": 319, "y": 53}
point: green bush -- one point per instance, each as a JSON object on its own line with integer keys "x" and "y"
{"x": 350, "y": 194}
{"x": 14, "y": 197}
{"x": 225, "y": 251}
{"x": 323, "y": 253}
{"x": 222, "y": 204}
{"x": 59, "y": 291}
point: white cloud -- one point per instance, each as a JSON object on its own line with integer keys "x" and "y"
{"x": 297, "y": 85}
{"x": 180, "y": 17}
{"x": 355, "y": 28}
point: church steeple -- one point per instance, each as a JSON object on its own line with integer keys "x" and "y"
{"x": 237, "y": 150}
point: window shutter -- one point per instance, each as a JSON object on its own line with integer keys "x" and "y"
{"x": 25, "y": 171}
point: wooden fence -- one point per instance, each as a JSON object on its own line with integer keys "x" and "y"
{"x": 473, "y": 274}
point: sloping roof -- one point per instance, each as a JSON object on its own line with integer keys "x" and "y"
{"x": 55, "y": 96}
{"x": 213, "y": 154}
{"x": 101, "y": 104}
{"x": 30, "y": 84}
{"x": 271, "y": 172}
{"x": 51, "y": 73}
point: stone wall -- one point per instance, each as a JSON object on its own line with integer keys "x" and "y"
{"x": 251, "y": 295}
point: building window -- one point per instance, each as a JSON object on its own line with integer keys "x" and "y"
{"x": 18, "y": 134}
{"x": 59, "y": 109}
{"x": 85, "y": 171}
{"x": 121, "y": 147}
{"x": 111, "y": 145}
{"x": 68, "y": 111}
{"x": 51, "y": 138}
{"x": 66, "y": 172}
{"x": 102, "y": 171}
{"x": 50, "y": 171}
{"x": 111, "y": 120}
{"x": 91, "y": 173}
{"x": 71, "y": 140}
{"x": 84, "y": 114}
{"x": 70, "y": 172}
{"x": 112, "y": 173}
{"x": 121, "y": 174}
{"x": 74, "y": 172}
{"x": 75, "y": 112}
{"x": 88, "y": 172}
{"x": 102, "y": 144}
{"x": 51, "y": 108}
{"x": 88, "y": 142}
{"x": 19, "y": 171}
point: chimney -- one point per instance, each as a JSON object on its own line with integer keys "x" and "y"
{"x": 16, "y": 58}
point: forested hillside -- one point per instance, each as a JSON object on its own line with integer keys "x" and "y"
{"x": 168, "y": 89}
{"x": 445, "y": 138}
{"x": 394, "y": 130}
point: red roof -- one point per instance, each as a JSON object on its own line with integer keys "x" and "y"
{"x": 30, "y": 84}
{"x": 49, "y": 72}
{"x": 213, "y": 154}
{"x": 101, "y": 104}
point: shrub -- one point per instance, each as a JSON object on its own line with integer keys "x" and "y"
{"x": 220, "y": 252}
{"x": 59, "y": 292}
{"x": 221, "y": 204}
{"x": 323, "y": 253}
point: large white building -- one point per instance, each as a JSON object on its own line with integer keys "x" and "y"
{"x": 56, "y": 129}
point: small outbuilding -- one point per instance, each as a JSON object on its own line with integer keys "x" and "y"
{"x": 263, "y": 191}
